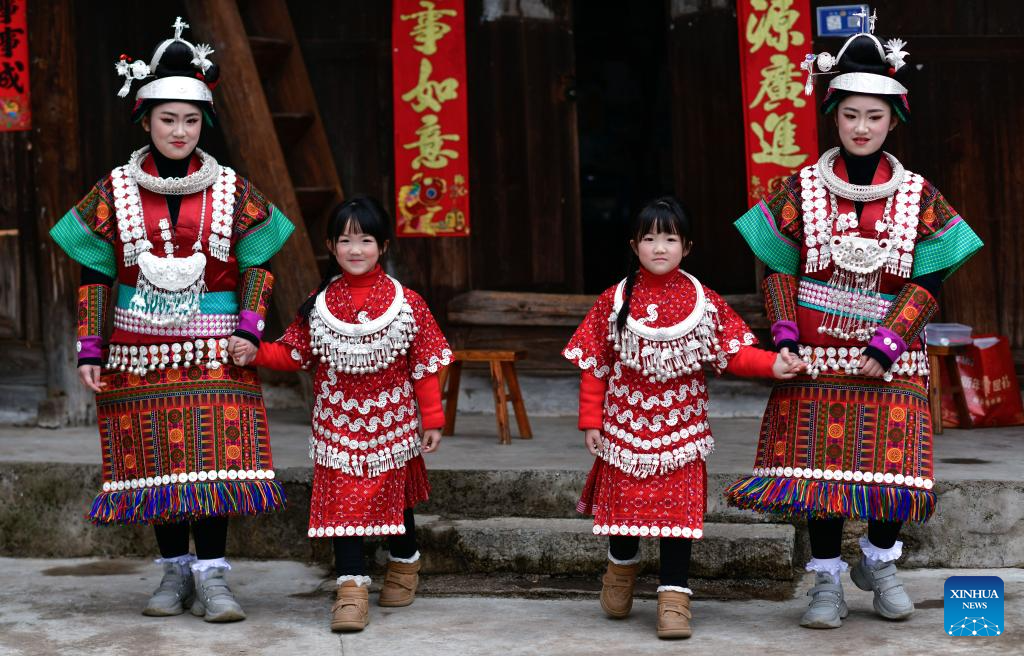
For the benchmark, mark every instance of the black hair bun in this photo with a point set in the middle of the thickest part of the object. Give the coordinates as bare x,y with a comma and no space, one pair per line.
177,62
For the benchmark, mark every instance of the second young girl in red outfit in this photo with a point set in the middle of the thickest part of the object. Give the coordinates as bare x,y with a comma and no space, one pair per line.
374,350
643,406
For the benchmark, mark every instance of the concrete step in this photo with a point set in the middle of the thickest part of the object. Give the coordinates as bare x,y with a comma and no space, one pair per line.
528,545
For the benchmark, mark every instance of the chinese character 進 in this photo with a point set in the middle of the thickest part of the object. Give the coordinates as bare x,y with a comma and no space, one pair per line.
10,76
782,148
773,26
778,84
9,40
429,27
432,152
429,94
7,9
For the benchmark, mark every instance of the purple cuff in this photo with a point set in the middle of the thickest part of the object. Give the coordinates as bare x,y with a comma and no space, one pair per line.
90,346
785,331
251,322
888,342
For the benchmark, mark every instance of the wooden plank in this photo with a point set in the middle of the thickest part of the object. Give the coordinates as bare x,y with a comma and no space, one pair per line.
485,355
269,52
55,133
479,307
291,127
247,123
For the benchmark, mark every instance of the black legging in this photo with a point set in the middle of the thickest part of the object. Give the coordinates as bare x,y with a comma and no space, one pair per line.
827,535
675,556
348,551
210,534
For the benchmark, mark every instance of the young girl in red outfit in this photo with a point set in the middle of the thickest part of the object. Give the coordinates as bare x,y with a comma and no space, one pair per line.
374,350
643,407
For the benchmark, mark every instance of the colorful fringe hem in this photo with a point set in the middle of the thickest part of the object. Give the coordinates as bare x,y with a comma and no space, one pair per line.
816,499
176,502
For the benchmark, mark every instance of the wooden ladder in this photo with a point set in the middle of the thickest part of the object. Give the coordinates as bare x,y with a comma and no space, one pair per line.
273,128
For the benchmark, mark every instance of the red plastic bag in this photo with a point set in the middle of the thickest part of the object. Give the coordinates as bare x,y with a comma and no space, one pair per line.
990,385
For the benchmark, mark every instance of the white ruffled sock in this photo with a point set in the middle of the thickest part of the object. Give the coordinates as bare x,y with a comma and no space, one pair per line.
832,566
675,588
415,557
875,555
358,578
632,561
183,563
202,568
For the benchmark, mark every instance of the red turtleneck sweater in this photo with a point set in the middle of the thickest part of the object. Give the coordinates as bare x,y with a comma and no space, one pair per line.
274,355
749,361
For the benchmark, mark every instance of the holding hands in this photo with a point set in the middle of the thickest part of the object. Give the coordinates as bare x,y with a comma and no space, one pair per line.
242,351
787,365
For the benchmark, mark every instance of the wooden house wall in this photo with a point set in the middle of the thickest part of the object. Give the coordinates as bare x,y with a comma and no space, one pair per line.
966,100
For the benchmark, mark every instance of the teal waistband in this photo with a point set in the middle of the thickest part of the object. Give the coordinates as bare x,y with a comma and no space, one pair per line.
212,303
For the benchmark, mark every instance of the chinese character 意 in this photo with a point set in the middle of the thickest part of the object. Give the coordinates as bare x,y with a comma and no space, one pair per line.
429,27
774,26
778,141
779,81
10,76
7,9
429,94
432,153
9,40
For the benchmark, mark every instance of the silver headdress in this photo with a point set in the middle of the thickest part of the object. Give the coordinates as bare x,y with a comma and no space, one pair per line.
860,82
176,86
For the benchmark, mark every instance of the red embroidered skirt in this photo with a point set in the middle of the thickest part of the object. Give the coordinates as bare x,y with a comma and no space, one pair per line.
660,505
343,505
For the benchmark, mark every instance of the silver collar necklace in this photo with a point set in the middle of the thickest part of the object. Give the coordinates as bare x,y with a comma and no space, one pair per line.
190,184
858,193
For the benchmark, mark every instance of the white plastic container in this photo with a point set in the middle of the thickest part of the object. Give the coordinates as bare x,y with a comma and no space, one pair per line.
947,334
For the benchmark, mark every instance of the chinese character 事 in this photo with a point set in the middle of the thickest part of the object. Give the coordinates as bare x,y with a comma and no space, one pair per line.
10,76
432,153
429,94
429,27
774,26
9,40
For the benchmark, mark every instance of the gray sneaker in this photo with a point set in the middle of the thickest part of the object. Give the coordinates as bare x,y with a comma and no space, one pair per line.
891,599
214,600
175,593
828,607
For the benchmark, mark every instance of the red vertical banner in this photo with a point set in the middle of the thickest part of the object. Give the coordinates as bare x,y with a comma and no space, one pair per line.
15,112
780,122
428,60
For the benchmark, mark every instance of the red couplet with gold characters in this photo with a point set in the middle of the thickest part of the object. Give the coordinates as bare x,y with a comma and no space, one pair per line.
15,112
780,122
431,136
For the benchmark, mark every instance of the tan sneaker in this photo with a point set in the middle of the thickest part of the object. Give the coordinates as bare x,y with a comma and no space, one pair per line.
617,589
674,615
400,583
351,609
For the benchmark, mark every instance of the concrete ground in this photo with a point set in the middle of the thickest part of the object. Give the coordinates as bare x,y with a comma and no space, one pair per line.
85,607
992,454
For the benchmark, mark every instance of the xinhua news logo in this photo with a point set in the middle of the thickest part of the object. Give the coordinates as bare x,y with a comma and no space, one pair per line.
973,606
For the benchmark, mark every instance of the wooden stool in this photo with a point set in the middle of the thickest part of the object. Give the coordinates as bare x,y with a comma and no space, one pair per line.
504,383
944,357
